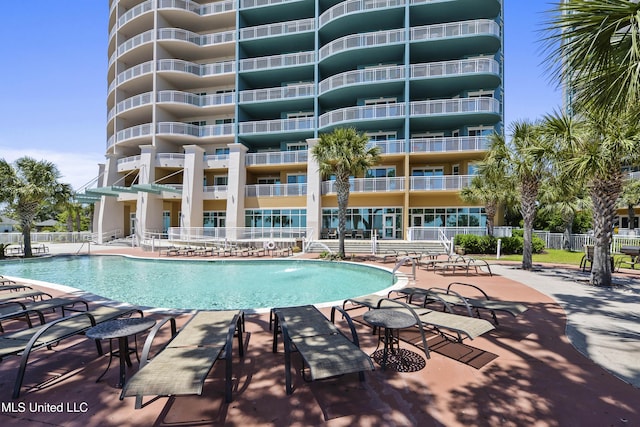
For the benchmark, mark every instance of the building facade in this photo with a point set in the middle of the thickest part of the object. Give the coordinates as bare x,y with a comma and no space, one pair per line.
213,108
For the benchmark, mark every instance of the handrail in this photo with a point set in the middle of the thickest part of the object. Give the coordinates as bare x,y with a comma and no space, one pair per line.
448,244
88,242
400,262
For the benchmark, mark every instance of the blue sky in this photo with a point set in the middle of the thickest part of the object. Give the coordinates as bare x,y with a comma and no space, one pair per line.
53,79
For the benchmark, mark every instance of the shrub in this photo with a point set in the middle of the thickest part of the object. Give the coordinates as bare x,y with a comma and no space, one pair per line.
473,244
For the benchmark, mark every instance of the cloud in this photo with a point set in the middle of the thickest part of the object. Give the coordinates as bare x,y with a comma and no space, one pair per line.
77,169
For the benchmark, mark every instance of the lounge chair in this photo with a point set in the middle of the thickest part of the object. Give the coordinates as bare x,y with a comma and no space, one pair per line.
464,263
183,364
171,250
323,348
446,324
24,294
25,341
13,287
471,304
5,281
19,309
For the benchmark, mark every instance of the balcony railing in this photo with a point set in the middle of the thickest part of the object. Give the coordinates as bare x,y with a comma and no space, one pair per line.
453,68
135,41
275,126
449,144
197,39
275,190
200,9
132,73
277,61
276,157
455,29
246,4
170,159
177,128
440,183
196,100
200,70
365,76
452,106
359,41
388,147
279,29
366,112
216,191
355,6
277,93
368,185
135,12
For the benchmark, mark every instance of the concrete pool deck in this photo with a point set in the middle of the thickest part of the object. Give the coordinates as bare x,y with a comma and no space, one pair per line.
551,366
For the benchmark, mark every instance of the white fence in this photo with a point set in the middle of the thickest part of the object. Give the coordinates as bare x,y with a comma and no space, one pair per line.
48,237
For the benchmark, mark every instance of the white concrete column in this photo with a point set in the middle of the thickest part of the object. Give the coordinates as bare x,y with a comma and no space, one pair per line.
110,213
236,188
149,207
314,205
192,186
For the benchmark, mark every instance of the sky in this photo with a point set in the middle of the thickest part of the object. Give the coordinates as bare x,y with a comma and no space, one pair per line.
53,81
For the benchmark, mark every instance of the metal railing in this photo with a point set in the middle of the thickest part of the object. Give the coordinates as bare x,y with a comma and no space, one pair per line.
365,185
275,190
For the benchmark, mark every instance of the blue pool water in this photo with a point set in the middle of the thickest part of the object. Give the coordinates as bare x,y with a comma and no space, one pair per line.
206,284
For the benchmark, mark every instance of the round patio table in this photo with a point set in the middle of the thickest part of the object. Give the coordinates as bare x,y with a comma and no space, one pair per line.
392,321
121,329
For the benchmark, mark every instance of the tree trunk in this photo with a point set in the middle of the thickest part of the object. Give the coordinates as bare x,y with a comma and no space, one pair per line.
490,210
27,211
604,193
566,234
631,214
26,239
528,211
342,190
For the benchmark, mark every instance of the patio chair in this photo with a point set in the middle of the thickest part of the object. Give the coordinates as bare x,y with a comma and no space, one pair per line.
464,263
183,364
18,309
324,350
22,343
471,304
23,294
445,324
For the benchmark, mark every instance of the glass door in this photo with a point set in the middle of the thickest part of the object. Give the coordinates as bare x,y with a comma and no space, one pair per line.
389,226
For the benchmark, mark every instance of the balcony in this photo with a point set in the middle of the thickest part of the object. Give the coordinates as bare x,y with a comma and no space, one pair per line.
215,192
360,41
356,6
455,29
363,113
133,133
277,93
449,144
275,190
362,77
277,29
388,147
368,185
200,40
276,158
277,126
440,183
197,8
277,61
188,130
139,70
170,160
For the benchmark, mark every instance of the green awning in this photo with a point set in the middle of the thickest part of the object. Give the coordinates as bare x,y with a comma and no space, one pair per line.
121,189
101,191
156,188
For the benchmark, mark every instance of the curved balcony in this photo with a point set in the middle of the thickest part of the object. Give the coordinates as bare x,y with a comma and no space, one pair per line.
134,12
275,190
132,73
197,8
277,29
144,99
440,79
455,29
132,43
133,133
440,183
388,147
178,129
356,6
277,61
455,106
361,41
362,77
367,185
179,72
130,163
170,160
449,144
277,126
200,40
276,158
189,99
363,113
277,93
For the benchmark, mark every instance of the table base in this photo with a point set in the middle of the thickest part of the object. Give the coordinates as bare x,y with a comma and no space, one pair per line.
400,360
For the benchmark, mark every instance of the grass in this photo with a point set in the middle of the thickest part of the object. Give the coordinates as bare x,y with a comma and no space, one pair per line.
550,256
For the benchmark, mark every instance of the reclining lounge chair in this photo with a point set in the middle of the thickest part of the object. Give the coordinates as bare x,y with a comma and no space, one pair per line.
323,348
25,341
455,298
19,309
184,363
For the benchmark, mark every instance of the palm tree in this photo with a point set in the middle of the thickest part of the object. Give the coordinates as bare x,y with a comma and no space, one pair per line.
593,48
629,199
529,168
343,153
592,150
28,187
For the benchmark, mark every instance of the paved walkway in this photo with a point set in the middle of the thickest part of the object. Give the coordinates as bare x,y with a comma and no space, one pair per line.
602,323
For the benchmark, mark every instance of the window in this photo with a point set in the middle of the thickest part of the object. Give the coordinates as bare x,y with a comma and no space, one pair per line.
269,218
214,218
220,180
297,146
381,172
221,151
269,180
296,178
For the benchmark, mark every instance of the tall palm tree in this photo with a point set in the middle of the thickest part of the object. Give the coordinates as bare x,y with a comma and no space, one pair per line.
343,153
593,148
593,48
27,187
529,167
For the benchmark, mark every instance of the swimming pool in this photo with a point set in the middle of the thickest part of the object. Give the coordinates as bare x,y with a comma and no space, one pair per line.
183,284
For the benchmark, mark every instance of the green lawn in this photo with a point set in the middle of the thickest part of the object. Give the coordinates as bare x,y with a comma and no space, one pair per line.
551,256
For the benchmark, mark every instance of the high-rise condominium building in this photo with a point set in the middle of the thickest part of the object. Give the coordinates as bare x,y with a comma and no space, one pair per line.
214,106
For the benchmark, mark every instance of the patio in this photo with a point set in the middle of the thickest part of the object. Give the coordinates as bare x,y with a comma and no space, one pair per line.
525,372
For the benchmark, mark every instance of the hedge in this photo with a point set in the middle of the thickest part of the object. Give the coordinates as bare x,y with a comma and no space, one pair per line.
488,244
